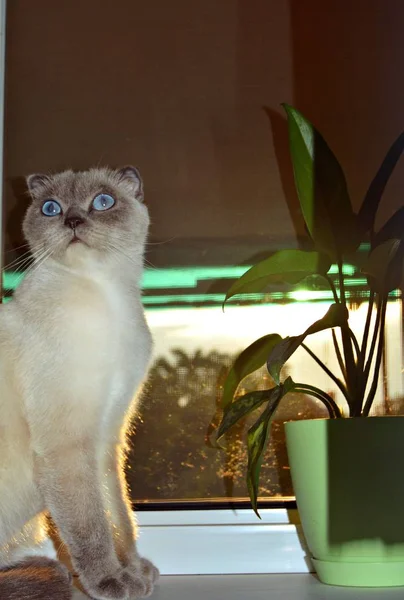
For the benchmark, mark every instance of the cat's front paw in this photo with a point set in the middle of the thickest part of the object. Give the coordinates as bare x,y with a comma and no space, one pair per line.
109,588
150,572
142,571
135,582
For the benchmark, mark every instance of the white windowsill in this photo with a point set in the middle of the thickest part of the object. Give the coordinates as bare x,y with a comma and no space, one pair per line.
216,542
260,587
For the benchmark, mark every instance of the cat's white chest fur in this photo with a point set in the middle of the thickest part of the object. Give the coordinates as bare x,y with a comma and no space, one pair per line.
92,346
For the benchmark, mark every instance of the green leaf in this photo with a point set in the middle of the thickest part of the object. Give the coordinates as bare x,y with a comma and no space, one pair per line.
251,359
384,266
210,442
243,406
336,316
288,266
257,440
368,211
322,189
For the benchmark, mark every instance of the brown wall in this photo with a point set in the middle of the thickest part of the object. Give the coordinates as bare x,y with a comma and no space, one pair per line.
348,69
177,89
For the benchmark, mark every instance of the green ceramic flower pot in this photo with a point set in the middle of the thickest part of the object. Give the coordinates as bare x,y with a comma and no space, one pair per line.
348,477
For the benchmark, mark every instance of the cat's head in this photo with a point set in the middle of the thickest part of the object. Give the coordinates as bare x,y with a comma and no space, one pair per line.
99,210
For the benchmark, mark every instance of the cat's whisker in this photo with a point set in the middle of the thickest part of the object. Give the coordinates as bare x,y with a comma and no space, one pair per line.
119,251
17,263
26,255
151,265
18,259
162,242
26,245
39,261
34,265
16,266
118,248
34,268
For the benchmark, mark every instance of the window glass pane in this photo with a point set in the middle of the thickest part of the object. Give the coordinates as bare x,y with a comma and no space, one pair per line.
178,89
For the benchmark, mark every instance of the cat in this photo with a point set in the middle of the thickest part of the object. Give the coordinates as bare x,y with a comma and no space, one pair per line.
74,351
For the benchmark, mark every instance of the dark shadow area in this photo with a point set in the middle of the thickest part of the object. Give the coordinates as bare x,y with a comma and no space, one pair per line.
347,57
365,481
15,217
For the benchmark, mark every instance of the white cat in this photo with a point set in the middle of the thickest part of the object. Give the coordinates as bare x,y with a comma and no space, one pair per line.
74,350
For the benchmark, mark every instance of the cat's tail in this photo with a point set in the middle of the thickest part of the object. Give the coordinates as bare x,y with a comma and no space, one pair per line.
35,578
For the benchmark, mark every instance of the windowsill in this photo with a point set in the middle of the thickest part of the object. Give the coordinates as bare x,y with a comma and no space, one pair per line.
193,542
259,587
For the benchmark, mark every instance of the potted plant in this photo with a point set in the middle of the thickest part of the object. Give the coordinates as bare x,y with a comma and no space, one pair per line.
347,471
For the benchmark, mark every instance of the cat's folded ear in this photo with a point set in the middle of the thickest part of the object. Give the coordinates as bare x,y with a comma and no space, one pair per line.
130,178
37,182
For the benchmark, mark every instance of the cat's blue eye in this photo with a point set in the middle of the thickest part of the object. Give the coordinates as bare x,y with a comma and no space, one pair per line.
103,202
51,208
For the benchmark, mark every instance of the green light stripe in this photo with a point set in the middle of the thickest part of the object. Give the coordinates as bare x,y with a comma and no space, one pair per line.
347,269
218,298
301,296
188,276
307,295
176,277
160,278
354,282
11,280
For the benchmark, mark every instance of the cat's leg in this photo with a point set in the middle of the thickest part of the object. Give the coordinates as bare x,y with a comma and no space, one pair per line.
123,518
69,480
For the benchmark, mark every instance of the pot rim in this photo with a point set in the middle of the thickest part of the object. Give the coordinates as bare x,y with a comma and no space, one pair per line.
301,422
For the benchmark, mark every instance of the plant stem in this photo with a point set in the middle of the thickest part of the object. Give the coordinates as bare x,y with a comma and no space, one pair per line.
363,371
355,343
347,347
372,392
332,407
333,288
338,353
373,344
341,282
362,356
335,379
